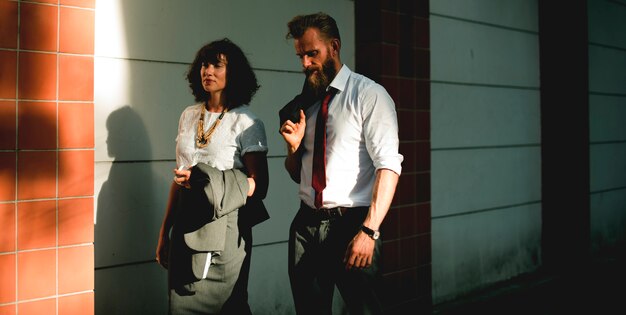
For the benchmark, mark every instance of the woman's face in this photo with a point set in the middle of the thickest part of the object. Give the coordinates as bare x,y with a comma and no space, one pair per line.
214,75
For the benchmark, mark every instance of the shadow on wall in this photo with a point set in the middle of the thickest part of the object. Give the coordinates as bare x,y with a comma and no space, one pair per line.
122,239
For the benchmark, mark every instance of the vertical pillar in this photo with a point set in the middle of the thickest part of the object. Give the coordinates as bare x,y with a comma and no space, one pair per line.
564,133
392,40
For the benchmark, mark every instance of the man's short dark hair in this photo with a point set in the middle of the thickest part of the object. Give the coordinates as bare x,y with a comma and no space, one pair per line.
322,21
241,83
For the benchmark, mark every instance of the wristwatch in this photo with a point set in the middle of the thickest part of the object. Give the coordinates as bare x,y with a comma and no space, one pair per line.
371,233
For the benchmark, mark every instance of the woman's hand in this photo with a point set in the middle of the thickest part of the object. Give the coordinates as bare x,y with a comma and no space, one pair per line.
256,165
252,185
181,177
162,250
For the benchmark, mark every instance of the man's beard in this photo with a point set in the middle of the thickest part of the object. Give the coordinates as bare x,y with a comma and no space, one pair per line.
317,84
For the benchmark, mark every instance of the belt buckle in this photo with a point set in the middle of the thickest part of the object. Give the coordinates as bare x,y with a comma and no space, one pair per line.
335,212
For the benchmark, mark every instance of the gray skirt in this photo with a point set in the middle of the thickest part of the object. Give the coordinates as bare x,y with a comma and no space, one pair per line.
224,290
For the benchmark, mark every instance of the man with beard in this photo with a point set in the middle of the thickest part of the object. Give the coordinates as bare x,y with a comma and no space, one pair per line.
334,237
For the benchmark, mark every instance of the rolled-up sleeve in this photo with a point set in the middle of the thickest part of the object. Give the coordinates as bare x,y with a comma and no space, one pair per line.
380,129
253,138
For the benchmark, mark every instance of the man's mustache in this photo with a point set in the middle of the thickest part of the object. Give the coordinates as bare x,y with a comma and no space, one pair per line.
309,71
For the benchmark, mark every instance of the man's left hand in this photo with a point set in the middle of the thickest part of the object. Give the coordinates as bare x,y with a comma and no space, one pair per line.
360,252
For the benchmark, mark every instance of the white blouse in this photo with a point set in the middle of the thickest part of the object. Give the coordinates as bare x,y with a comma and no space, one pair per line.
239,132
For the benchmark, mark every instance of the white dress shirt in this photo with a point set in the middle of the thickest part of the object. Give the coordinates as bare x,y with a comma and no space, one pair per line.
361,137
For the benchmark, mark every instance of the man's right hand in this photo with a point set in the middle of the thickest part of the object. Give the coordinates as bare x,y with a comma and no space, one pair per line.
293,133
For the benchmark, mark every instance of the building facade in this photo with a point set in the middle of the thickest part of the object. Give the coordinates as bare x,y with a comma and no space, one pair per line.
91,92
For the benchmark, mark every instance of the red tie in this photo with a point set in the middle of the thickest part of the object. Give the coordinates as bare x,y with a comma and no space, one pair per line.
319,150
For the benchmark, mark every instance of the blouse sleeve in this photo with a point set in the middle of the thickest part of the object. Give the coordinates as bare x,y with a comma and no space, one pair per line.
252,138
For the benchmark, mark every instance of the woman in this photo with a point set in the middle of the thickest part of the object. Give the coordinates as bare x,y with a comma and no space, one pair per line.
219,134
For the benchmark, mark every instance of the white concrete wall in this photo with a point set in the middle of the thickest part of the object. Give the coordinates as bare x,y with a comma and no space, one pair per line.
485,138
607,110
143,48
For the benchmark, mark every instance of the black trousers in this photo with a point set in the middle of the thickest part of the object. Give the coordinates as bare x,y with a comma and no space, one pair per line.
316,251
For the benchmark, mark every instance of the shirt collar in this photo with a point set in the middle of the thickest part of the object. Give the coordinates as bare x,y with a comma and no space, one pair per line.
341,79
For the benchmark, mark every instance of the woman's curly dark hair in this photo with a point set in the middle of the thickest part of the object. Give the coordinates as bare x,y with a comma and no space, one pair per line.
241,83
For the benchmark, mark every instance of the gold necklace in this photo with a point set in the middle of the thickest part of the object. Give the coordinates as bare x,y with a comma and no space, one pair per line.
203,138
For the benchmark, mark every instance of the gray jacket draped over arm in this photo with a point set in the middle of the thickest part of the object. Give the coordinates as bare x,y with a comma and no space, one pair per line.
215,194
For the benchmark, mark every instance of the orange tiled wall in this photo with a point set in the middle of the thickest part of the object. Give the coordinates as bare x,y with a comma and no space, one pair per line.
46,157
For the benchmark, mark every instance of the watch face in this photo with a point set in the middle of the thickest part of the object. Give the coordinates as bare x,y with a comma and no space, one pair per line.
376,235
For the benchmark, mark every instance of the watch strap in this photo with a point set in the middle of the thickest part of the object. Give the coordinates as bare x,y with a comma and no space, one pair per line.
368,231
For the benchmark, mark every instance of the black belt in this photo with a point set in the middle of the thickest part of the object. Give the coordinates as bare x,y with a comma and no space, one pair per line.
329,213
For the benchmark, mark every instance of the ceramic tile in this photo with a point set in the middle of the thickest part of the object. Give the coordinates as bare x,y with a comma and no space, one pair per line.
76,34
7,176
408,249
47,306
423,187
369,59
7,224
7,279
80,304
76,125
405,191
423,94
390,62
423,218
422,33
391,256
76,269
37,125
79,3
389,227
407,125
422,158
36,175
408,92
37,76
423,126
8,309
36,276
8,68
422,63
76,78
406,221
7,125
36,224
423,250
390,27
391,85
408,152
390,5
399,286
38,27
8,24
76,173
76,224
